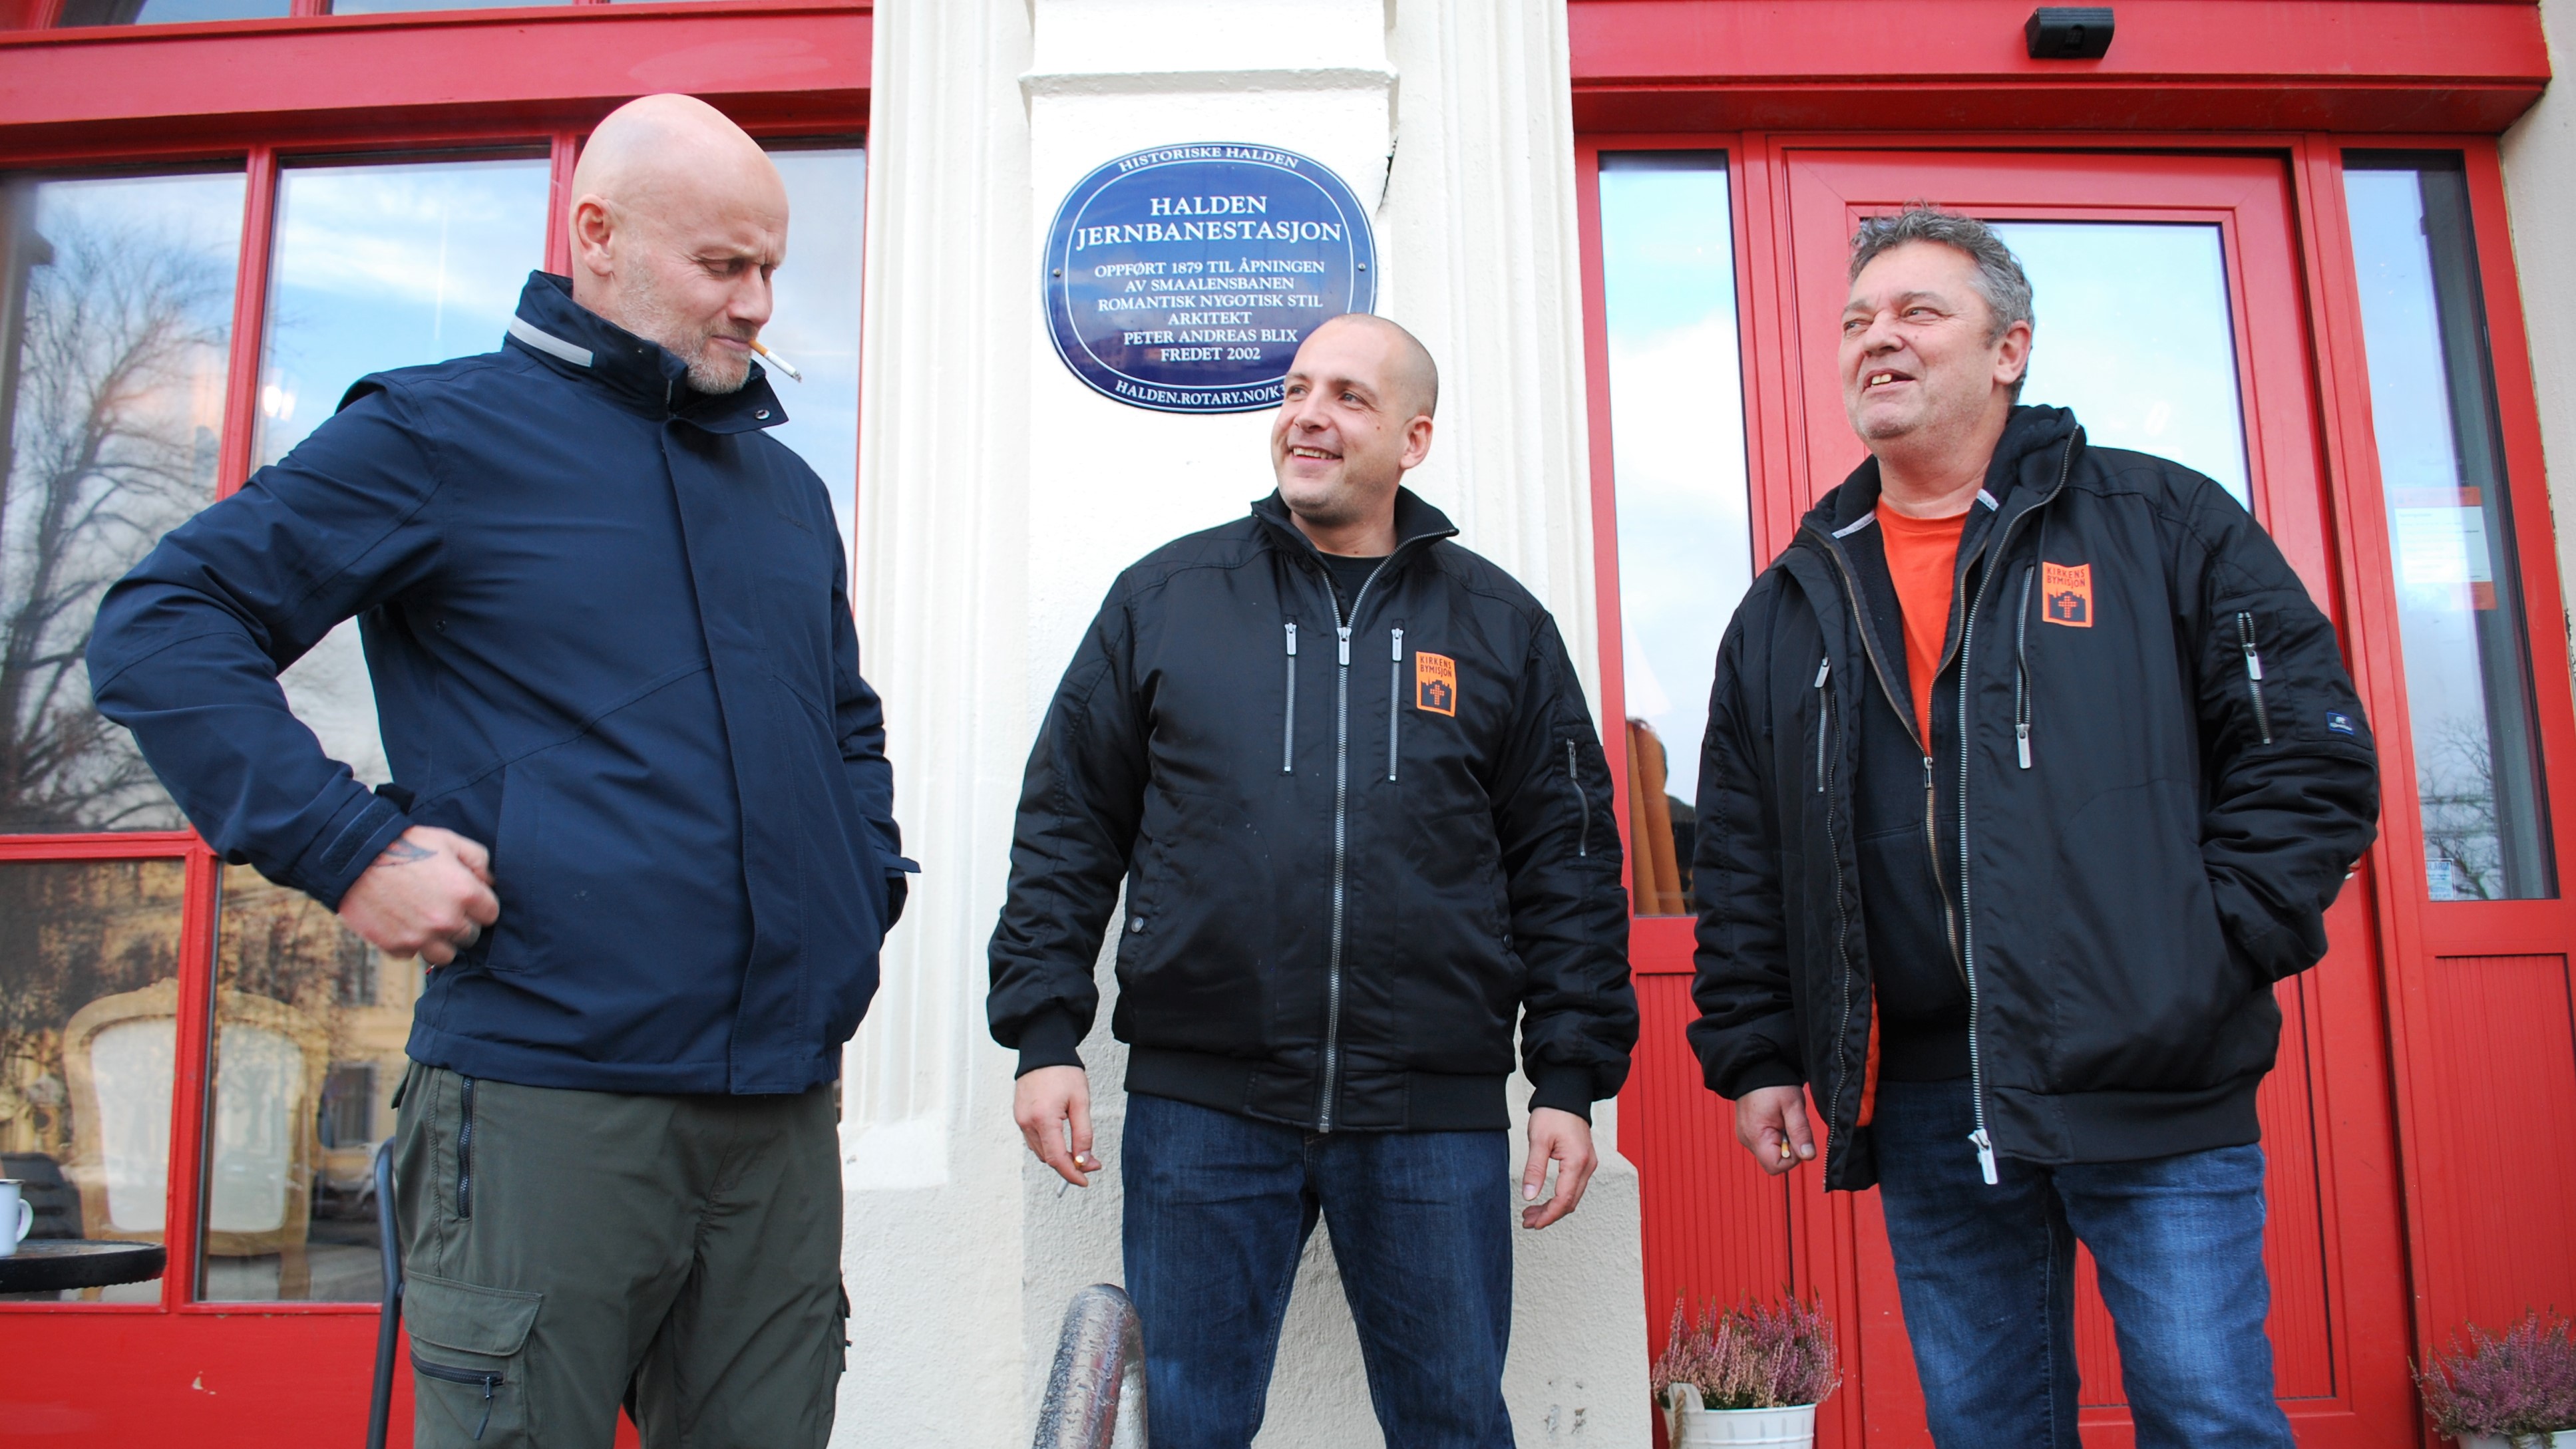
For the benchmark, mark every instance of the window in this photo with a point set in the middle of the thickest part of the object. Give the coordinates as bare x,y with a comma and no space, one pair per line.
2450,530
1678,469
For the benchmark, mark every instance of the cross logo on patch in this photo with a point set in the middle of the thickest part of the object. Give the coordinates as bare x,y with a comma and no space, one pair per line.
2066,594
1435,684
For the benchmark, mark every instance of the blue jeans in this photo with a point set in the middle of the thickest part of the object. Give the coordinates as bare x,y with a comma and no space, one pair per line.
1987,1275
1218,1210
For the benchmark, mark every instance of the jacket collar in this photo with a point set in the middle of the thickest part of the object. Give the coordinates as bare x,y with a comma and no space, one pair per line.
570,339
2030,434
1417,524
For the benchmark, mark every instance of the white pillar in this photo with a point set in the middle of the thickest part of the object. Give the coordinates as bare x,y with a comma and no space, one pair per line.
2540,191
998,497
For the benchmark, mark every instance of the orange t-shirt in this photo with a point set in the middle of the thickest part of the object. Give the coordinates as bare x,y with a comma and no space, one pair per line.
1922,554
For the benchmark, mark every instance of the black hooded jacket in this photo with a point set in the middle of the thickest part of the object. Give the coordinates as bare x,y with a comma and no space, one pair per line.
1357,853
2148,778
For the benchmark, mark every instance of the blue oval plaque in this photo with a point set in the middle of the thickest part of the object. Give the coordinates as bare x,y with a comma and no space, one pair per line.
1183,278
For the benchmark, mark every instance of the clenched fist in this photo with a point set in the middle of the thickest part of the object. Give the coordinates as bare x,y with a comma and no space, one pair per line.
429,894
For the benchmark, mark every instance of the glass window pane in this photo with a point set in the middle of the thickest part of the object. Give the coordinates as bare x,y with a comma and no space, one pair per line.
166,12
378,266
816,321
89,994
2450,532
1677,462
379,7
116,304
310,1023
2159,379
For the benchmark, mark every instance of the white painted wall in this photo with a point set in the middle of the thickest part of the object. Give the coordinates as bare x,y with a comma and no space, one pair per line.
2540,193
998,497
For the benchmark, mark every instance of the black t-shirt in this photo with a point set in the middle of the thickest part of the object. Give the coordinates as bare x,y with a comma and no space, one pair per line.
1349,575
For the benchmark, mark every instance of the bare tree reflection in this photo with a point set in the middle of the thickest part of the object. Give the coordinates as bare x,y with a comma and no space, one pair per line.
111,346
2455,779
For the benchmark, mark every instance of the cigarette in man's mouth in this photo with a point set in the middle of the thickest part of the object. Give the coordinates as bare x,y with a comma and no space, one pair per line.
782,363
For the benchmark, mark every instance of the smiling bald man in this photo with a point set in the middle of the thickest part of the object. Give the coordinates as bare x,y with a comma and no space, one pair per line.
641,823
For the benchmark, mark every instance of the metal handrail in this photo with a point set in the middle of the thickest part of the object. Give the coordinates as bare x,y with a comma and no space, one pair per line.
388,1325
1095,1396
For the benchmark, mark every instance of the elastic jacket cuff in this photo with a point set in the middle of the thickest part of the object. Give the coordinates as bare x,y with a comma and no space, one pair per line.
347,847
1770,1073
1567,1089
1049,1040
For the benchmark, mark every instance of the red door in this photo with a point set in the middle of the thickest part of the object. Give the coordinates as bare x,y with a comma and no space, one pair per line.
2176,316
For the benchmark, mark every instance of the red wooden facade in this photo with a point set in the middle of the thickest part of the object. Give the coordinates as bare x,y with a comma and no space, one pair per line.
2394,1221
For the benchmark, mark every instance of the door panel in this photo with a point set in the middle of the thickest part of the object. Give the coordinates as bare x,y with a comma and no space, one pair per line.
2169,305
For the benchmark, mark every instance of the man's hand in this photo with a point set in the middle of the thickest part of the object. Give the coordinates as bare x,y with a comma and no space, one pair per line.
1051,1105
1565,1139
429,894
1771,1122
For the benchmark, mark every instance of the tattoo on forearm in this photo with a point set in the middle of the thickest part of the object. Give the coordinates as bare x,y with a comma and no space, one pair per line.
403,852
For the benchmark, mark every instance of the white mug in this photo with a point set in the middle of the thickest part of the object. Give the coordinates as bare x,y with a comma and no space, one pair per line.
14,1204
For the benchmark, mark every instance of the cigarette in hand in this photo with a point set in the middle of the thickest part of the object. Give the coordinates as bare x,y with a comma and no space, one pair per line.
781,363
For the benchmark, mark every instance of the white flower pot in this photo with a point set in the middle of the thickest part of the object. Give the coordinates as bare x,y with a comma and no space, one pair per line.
2562,1439
1692,1427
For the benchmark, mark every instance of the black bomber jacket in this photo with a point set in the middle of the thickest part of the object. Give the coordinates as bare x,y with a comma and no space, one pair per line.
2148,777
1358,853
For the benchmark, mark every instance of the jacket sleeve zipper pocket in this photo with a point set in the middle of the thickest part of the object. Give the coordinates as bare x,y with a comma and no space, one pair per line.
489,1380
1824,717
1288,721
1394,692
465,1148
1574,777
2254,674
2021,669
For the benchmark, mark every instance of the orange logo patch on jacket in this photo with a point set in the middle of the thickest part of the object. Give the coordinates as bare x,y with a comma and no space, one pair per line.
2066,593
1435,683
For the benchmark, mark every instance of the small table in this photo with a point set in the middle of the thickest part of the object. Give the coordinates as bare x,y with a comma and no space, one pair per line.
47,1265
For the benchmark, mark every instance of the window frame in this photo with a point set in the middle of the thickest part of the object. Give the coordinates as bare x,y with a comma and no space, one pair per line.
330,88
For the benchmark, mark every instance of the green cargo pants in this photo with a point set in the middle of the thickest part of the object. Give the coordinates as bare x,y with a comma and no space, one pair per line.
567,1251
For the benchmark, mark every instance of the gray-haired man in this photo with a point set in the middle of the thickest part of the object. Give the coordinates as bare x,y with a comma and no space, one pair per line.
2030,767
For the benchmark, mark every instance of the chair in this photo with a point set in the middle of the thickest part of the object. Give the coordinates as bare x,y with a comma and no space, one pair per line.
118,1052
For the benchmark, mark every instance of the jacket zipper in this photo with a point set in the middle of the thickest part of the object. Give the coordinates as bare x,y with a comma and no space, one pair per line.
1394,692
1574,778
2021,668
489,1380
1288,721
1824,717
1842,914
465,1151
1967,903
2254,674
1341,846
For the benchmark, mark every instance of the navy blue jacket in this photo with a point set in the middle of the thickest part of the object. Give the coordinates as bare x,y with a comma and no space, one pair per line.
610,635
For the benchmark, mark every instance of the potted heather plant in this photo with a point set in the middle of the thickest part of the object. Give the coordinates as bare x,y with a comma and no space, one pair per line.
2513,1392
1751,1374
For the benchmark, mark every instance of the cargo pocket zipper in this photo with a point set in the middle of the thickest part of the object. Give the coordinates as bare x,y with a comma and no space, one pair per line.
489,1380
1394,693
465,1151
2254,674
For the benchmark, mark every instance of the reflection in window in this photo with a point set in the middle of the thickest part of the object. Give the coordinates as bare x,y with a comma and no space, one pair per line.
376,267
166,12
2159,379
310,1023
816,321
116,302
1677,462
379,7
2450,530
89,998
